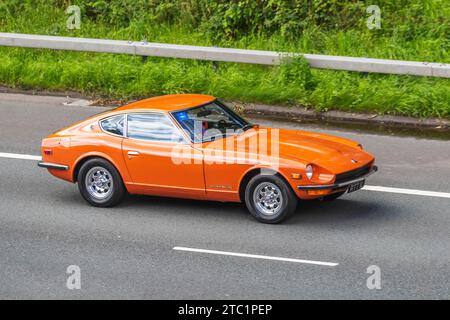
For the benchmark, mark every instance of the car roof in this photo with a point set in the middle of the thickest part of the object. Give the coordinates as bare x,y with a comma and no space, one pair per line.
171,102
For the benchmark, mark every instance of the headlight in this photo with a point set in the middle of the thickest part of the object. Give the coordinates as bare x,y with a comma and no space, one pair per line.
309,171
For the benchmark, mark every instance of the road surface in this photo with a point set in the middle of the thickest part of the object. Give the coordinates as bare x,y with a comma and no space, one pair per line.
128,251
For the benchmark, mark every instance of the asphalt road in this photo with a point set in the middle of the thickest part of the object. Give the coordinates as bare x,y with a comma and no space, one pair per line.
127,251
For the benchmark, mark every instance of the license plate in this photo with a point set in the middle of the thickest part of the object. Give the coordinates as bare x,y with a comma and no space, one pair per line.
355,186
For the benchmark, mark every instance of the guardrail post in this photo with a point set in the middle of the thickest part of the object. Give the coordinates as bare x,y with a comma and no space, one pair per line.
215,64
144,58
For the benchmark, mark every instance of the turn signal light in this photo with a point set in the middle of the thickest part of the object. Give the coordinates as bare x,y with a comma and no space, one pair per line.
48,152
317,192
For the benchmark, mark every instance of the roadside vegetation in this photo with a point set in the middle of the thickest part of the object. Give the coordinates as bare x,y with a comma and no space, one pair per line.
410,30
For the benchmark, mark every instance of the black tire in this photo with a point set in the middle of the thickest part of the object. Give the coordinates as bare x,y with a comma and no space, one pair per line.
116,191
331,197
288,203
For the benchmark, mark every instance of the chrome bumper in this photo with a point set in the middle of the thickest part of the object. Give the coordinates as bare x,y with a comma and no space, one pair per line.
55,166
337,185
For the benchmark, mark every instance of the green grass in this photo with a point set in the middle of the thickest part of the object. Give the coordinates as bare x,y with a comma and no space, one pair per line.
125,77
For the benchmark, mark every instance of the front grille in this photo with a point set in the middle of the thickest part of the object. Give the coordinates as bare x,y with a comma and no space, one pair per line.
353,174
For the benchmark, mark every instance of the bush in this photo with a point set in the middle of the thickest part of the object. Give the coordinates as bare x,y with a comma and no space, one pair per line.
234,19
296,71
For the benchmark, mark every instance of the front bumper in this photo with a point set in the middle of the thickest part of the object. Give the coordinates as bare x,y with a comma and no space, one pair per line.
337,185
55,166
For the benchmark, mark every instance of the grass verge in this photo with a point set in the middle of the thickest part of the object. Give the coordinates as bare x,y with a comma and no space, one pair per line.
417,31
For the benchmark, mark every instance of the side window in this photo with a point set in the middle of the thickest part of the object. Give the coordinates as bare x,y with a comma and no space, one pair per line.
153,127
113,125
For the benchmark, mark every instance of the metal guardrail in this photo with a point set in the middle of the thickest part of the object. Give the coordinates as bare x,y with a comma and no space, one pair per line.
429,69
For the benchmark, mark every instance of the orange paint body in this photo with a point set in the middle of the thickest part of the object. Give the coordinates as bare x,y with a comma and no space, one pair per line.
214,170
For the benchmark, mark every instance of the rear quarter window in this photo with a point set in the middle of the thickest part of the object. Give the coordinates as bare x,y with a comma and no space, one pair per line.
113,125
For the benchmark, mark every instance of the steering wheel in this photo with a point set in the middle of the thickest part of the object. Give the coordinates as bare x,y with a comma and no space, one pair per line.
222,124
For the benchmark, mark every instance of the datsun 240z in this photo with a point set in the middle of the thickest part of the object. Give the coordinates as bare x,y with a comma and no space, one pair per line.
194,146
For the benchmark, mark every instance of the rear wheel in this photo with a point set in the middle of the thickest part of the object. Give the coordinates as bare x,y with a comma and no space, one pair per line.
100,183
269,198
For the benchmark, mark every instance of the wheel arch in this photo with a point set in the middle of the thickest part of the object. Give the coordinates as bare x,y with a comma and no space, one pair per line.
83,159
254,172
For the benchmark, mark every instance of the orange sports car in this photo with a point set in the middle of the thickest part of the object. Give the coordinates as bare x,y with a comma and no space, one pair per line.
194,146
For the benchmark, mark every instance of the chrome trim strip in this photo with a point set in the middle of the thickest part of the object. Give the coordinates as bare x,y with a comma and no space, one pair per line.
55,166
337,185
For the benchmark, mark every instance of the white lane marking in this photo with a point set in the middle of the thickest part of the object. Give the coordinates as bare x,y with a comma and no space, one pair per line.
368,188
408,191
256,256
19,156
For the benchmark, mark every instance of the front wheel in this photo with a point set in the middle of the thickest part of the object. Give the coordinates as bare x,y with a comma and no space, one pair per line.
269,198
100,183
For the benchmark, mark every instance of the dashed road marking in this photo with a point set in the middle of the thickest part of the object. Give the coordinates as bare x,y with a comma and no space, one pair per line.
256,256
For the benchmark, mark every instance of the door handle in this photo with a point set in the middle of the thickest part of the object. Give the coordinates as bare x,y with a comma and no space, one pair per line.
133,154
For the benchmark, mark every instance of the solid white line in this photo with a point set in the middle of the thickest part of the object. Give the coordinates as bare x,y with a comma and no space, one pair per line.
256,256
20,156
368,188
408,191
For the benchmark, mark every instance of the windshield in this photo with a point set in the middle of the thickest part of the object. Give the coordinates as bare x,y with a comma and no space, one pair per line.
211,121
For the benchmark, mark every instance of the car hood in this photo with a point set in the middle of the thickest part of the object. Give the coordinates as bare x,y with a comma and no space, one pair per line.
332,153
